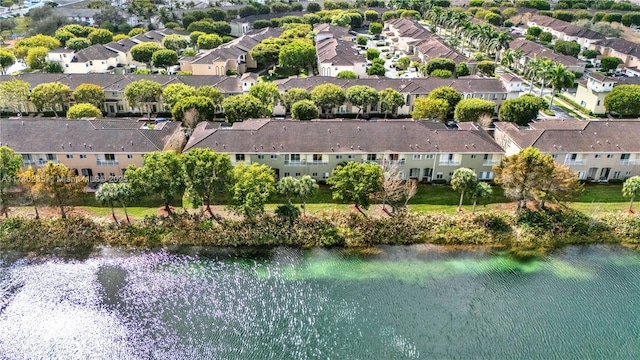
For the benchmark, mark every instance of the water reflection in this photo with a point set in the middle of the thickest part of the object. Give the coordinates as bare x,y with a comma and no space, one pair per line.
392,303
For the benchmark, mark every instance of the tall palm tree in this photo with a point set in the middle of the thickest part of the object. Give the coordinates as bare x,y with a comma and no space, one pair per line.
543,73
531,70
499,43
559,77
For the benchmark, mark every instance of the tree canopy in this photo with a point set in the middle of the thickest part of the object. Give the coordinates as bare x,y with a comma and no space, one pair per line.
304,110
207,176
173,93
362,96
50,96
428,108
83,110
58,185
252,186
356,183
521,110
143,93
471,110
390,101
161,174
624,100
328,96
89,94
631,189
242,107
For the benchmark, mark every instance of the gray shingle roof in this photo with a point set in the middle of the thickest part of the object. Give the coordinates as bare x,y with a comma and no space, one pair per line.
622,46
532,49
566,27
29,135
340,136
94,53
338,52
553,136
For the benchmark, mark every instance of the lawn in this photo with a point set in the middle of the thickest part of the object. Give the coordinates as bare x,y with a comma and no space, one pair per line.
429,198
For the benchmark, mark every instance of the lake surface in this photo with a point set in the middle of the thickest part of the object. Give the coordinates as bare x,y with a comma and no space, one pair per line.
395,303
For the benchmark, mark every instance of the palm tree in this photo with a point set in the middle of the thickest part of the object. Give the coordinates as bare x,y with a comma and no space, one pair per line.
499,43
530,70
559,77
543,73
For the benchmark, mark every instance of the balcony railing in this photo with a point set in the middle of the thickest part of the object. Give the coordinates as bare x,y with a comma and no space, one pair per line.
449,163
106,162
304,162
629,162
390,162
490,162
45,161
574,162
28,162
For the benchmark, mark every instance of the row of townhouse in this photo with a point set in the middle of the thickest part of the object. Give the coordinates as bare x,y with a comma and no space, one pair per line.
625,50
114,86
116,104
114,57
497,90
336,51
412,38
426,151
596,150
100,149
594,87
532,50
232,56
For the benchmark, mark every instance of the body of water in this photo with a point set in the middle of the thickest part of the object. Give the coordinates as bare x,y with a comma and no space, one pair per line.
414,302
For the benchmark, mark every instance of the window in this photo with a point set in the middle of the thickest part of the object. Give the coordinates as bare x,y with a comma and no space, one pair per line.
554,156
317,157
109,157
129,156
26,157
69,156
428,156
439,175
598,104
273,156
616,174
573,157
51,157
371,157
325,175
338,156
473,156
297,174
625,156
260,157
609,156
349,156
598,156
287,174
114,93
83,156
294,157
239,157
314,174
416,157
627,174
451,174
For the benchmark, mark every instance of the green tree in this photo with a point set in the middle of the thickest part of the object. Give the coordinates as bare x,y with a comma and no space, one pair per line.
252,186
161,175
164,58
390,101
27,183
630,19
521,110
173,93
438,64
143,94
214,94
375,28
6,60
480,191
22,46
560,183
534,31
313,7
624,100
207,175
570,48
89,94
100,36
14,95
609,63
328,96
341,19
462,69
372,54
493,19
445,74
361,40
521,175
267,51
63,36
486,67
10,165
203,105
631,189
545,37
209,41
194,36
83,110
428,108
590,54
175,42
356,183
58,185
294,95
51,96
267,93
304,110
242,107
362,96
560,77
376,70
37,57
136,31
463,180
143,52
471,110
449,94
297,55
403,63
301,188
112,193
346,74
78,44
